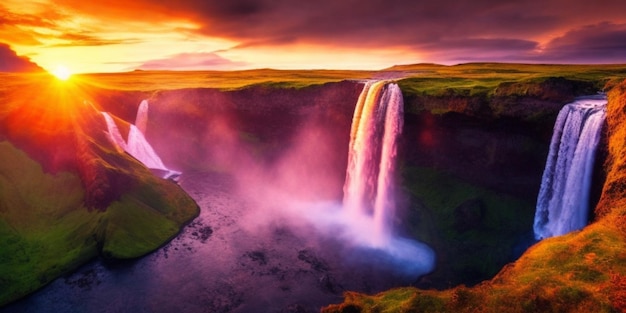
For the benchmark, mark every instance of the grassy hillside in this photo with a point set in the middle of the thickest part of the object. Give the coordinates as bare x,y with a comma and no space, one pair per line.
584,271
66,193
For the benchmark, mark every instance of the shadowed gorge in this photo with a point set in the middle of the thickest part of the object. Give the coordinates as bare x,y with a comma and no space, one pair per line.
272,167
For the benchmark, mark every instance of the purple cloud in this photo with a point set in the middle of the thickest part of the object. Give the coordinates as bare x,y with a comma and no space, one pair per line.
452,29
191,61
11,62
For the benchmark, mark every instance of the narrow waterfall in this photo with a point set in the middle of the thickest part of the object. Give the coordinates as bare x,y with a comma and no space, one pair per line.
369,187
137,145
563,201
113,133
141,121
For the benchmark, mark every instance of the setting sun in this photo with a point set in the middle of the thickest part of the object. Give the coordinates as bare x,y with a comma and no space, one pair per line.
62,72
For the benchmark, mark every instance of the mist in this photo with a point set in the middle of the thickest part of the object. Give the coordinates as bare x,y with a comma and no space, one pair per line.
268,174
291,171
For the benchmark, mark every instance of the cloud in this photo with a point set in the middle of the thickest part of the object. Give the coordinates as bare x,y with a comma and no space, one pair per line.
71,39
191,61
11,62
440,31
452,29
598,43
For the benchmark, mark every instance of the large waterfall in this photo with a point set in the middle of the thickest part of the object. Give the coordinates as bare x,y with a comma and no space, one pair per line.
369,187
563,201
136,144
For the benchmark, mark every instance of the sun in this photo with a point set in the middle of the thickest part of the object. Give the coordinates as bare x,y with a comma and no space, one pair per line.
62,72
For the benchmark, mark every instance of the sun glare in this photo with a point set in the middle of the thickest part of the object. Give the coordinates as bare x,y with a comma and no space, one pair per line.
62,72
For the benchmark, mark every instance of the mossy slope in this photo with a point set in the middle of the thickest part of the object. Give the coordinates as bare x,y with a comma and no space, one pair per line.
67,195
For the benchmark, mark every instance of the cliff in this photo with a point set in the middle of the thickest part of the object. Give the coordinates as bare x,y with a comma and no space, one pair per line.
470,175
579,272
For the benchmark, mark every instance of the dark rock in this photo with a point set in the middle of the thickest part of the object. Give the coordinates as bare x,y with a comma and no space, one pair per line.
258,257
316,263
469,215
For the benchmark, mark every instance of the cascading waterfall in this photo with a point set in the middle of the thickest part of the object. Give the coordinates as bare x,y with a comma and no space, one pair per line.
369,187
563,201
137,145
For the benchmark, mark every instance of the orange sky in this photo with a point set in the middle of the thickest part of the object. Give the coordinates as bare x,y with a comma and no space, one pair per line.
114,35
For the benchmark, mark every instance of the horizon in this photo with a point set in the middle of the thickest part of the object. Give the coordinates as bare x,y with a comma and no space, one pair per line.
390,68
373,35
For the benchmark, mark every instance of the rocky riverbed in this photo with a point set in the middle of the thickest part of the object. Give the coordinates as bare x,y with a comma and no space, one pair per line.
229,259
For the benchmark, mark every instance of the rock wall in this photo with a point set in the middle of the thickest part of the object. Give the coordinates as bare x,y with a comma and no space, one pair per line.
453,145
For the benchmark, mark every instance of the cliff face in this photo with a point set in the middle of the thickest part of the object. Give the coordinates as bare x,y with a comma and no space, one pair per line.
470,177
583,271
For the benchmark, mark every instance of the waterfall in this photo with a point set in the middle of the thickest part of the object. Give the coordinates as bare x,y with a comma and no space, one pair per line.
563,201
113,133
369,187
137,145
141,121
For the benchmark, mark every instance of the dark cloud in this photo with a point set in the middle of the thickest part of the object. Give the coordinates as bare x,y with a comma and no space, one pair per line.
191,61
11,62
444,27
599,43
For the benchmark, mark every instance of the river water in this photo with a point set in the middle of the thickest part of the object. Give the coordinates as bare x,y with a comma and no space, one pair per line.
223,261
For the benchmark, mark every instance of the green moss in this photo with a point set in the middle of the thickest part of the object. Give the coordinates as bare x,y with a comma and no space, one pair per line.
478,251
44,230
132,229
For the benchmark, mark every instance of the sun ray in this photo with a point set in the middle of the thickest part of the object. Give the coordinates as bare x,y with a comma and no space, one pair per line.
62,72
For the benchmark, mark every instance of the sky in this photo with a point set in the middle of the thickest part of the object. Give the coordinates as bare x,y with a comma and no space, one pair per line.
122,35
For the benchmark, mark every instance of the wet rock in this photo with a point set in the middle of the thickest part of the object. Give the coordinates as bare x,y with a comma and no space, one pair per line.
310,258
258,257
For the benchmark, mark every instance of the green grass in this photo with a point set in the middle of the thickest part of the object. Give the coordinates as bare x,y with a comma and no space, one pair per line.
483,79
224,80
43,229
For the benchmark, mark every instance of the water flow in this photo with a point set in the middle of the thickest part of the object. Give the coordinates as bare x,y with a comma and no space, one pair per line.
113,133
369,187
137,145
141,121
563,201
